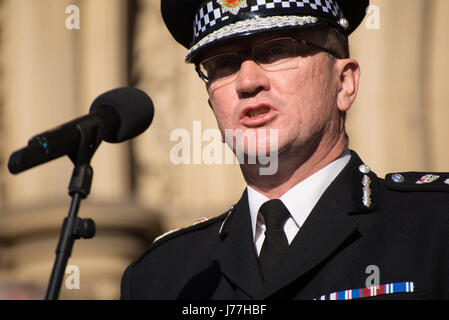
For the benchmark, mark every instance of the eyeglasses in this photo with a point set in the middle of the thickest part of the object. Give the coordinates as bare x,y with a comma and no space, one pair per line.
272,55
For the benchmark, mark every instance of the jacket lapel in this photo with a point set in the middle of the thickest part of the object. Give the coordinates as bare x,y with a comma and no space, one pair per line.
325,230
237,255
328,228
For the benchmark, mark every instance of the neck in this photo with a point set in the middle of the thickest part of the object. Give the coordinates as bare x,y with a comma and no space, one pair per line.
292,169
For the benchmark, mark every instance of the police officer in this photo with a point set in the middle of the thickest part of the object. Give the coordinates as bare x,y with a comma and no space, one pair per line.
322,225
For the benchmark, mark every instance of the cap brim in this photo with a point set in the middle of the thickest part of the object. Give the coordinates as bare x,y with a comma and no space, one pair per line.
250,27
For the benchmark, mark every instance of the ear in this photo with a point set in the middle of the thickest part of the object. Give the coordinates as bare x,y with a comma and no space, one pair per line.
349,71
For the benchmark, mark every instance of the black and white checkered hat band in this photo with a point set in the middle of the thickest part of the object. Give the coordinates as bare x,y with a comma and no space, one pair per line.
253,15
212,13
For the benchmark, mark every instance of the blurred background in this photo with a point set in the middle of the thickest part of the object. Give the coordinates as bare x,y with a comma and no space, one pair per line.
51,69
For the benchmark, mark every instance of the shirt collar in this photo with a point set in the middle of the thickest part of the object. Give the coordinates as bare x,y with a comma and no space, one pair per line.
300,199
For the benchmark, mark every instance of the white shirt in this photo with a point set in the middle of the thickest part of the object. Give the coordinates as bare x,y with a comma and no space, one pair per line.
299,200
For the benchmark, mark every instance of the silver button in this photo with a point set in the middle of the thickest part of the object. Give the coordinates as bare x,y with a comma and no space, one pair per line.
364,169
344,23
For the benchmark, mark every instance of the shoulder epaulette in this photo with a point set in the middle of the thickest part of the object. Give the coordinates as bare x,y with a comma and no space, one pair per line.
201,220
186,229
199,224
418,181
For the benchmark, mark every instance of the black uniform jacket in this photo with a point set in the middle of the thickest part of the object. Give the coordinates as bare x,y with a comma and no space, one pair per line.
392,233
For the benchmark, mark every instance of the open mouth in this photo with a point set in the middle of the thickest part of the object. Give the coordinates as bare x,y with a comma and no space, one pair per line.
254,113
257,115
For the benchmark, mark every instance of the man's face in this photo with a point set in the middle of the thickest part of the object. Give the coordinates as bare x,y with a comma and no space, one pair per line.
299,102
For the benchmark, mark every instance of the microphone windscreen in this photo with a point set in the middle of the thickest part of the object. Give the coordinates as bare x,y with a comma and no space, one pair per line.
133,107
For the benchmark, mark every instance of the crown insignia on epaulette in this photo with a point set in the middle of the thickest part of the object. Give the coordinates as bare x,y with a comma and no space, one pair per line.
428,178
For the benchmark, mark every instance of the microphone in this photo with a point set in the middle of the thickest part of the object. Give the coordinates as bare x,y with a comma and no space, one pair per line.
116,115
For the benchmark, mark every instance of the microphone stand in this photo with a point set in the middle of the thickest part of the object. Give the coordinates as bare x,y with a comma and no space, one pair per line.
74,227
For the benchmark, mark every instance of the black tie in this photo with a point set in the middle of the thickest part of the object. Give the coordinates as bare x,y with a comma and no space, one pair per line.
275,214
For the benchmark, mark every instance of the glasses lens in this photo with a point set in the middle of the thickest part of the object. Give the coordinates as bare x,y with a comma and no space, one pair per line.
304,48
274,52
221,66
271,55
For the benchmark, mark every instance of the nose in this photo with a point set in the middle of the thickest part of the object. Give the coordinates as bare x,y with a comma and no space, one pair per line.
251,78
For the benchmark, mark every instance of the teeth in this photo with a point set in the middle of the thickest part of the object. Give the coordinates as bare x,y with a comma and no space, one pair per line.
257,112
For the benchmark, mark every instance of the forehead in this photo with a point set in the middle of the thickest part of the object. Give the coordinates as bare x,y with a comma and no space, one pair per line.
315,35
